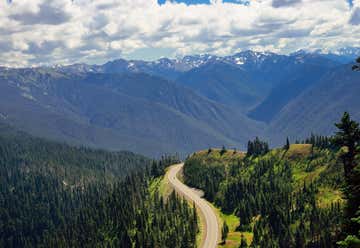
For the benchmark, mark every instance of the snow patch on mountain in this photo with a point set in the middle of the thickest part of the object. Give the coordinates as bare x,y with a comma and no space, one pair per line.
187,63
3,116
28,96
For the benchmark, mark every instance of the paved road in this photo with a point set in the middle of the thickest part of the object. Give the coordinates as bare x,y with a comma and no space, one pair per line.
212,226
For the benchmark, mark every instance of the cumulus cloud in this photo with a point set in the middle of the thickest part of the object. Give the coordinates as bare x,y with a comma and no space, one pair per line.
46,13
36,32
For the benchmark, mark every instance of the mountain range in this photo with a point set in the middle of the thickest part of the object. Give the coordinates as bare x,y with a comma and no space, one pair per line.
181,105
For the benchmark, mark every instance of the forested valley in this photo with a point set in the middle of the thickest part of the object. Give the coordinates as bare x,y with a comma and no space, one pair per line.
295,196
55,195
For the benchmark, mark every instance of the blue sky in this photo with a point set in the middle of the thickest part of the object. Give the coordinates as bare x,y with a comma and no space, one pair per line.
41,32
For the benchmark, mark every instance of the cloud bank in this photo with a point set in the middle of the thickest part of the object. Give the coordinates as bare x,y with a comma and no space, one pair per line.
38,32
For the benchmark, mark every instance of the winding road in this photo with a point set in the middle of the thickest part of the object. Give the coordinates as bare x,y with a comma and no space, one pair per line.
211,231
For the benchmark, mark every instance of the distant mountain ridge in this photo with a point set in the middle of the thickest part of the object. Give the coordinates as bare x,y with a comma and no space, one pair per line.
172,68
181,105
251,85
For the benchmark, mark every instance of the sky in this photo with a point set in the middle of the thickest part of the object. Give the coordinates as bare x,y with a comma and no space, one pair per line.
43,32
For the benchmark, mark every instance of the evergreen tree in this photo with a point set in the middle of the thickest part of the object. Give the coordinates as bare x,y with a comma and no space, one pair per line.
243,243
287,145
348,136
223,150
224,232
352,241
300,240
257,147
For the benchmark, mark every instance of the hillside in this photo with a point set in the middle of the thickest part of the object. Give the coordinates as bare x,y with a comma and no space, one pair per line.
220,118
307,70
301,183
261,83
318,107
134,112
55,195
74,165
222,83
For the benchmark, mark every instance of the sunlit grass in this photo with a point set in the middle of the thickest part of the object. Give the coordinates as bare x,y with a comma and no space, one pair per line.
234,237
298,151
327,195
214,154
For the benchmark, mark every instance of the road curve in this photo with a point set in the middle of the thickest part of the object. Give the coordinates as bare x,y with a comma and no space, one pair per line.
211,222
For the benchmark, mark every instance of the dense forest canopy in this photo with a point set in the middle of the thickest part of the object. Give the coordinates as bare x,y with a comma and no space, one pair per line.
55,195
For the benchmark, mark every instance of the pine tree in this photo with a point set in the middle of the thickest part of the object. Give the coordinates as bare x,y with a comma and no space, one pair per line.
195,228
349,136
243,243
223,151
257,147
287,145
300,240
224,232
352,240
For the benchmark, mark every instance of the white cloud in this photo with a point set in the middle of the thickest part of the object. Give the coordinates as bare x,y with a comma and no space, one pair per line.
37,32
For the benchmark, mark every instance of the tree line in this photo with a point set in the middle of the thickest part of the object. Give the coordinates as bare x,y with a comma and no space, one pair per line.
257,147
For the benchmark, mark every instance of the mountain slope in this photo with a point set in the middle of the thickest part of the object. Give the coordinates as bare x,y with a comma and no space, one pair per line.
223,83
133,112
249,78
317,108
302,71
47,157
157,90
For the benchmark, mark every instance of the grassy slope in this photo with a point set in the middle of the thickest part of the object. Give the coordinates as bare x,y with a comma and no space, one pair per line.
234,237
305,169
